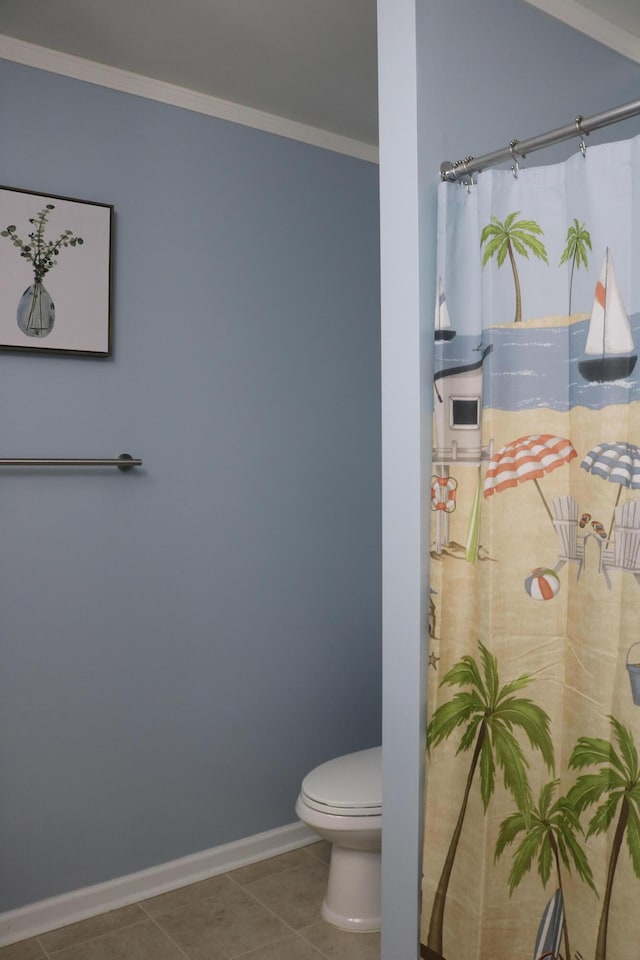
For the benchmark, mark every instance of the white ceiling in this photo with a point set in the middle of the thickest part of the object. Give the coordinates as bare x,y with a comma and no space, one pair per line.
623,13
309,61
312,61
616,23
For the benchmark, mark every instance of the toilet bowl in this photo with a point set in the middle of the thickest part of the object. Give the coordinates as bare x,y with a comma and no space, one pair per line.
341,801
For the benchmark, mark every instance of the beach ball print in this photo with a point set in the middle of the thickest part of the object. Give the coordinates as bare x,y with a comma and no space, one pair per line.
542,583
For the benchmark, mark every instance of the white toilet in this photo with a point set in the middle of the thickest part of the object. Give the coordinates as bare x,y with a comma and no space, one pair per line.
341,801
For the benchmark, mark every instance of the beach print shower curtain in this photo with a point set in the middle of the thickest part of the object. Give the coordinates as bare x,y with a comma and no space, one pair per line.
532,807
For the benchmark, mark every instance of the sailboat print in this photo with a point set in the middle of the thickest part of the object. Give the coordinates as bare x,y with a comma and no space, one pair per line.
443,328
609,351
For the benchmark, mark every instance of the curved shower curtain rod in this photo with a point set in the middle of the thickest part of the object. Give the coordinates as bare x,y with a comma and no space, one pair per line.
463,170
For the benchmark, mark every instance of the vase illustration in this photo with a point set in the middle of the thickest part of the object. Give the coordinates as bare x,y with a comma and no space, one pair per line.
36,312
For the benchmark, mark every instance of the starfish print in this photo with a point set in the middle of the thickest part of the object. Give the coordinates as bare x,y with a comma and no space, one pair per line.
433,661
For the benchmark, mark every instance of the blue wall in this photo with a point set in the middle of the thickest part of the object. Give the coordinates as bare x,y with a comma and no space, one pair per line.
180,644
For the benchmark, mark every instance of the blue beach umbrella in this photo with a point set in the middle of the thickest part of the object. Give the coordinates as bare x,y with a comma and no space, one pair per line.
617,462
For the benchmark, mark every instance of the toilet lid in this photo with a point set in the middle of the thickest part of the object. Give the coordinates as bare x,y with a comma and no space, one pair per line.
347,783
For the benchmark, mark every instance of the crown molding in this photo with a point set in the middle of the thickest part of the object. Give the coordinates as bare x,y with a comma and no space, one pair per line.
581,18
41,58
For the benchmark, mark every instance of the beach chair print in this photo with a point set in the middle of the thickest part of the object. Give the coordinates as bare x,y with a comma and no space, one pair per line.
623,552
566,514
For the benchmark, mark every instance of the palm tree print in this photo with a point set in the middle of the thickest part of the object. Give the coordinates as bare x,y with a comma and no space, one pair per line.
550,833
489,714
508,238
617,784
578,239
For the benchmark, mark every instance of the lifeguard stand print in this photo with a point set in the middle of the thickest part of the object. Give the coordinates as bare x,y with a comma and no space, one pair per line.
457,424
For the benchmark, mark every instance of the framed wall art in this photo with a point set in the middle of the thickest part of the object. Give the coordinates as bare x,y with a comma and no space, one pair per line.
55,274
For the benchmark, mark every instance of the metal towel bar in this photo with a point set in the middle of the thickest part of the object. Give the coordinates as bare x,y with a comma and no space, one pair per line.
123,462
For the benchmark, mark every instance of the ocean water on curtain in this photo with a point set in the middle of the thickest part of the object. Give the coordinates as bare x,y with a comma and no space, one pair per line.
532,807
528,367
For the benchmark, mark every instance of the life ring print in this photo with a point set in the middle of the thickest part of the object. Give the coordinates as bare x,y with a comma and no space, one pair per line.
443,493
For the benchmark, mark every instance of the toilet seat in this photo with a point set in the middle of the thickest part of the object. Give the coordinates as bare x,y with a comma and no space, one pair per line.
348,786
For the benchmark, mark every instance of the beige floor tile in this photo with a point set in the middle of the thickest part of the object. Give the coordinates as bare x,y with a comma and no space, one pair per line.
143,941
247,914
291,948
341,945
204,890
93,927
25,950
269,868
321,850
295,895
225,926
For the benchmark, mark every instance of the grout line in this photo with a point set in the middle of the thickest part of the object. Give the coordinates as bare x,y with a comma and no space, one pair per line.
347,933
80,943
229,876
188,903
265,907
279,871
321,953
151,917
42,947
291,930
239,886
253,951
169,938
48,955
271,876
315,856
295,931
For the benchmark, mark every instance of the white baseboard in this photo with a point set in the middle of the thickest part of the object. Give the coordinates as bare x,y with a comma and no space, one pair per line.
77,905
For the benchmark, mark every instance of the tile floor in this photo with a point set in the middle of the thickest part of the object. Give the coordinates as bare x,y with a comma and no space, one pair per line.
266,911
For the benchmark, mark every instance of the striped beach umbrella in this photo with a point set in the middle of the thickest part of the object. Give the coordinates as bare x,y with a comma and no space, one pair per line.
617,462
528,458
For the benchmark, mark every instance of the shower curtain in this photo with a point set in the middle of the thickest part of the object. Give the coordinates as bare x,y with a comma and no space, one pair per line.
532,806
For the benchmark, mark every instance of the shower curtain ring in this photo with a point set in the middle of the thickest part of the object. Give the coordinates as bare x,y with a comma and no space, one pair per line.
583,146
468,178
515,168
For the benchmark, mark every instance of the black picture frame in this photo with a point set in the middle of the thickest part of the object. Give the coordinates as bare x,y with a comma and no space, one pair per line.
55,274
